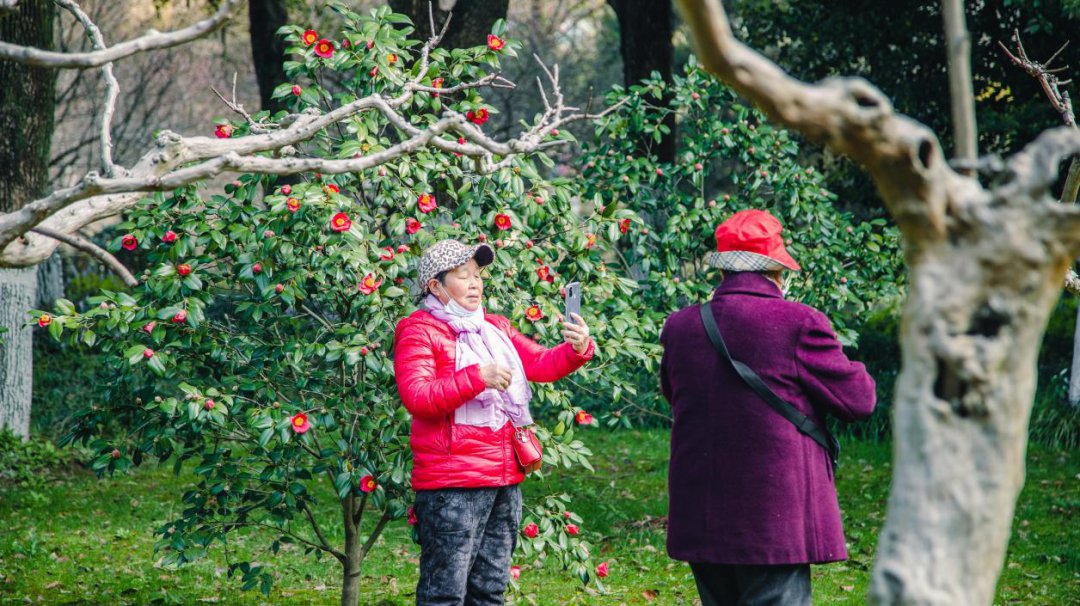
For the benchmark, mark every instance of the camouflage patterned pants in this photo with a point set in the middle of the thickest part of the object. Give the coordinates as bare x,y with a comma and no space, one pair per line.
467,536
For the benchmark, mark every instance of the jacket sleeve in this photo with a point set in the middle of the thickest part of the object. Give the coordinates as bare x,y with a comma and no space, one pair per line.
544,365
835,383
665,381
422,391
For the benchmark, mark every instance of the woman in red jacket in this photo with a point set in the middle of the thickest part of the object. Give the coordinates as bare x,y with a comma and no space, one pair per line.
464,376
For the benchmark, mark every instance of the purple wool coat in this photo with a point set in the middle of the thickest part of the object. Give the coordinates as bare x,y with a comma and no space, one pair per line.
745,486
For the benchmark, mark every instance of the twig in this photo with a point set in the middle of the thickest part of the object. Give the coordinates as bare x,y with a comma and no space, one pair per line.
93,250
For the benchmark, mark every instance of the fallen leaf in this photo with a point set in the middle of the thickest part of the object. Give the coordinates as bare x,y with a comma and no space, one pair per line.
847,587
53,585
650,594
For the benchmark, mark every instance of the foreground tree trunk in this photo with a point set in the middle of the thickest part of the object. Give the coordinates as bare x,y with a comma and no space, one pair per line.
26,127
645,30
985,266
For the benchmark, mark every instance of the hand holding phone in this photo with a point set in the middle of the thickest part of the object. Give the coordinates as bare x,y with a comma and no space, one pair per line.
573,301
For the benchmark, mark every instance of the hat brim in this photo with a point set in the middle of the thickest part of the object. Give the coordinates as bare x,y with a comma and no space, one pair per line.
741,260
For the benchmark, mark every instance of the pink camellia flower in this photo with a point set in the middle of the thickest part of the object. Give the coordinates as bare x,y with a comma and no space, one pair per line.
583,418
296,90
169,237
129,242
324,48
286,190
368,484
698,166
340,222
515,572
503,221
183,269
300,423
268,233
180,317
411,516
590,241
115,454
209,405
402,249
374,71
44,320
149,328
369,284
534,313
602,570
148,353
572,530
309,37
292,204
388,255
412,225
495,43
624,225
223,131
257,268
531,530
279,288
478,117
426,203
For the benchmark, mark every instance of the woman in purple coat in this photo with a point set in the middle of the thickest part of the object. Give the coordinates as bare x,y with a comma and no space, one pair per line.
752,500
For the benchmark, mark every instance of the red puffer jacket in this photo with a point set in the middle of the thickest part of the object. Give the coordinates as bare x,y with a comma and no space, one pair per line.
446,455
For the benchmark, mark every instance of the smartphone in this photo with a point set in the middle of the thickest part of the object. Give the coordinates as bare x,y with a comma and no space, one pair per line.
573,301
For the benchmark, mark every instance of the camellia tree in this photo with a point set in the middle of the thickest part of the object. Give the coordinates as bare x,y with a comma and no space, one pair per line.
730,159
258,344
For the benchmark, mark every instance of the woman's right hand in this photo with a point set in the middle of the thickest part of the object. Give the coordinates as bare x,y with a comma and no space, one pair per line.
495,376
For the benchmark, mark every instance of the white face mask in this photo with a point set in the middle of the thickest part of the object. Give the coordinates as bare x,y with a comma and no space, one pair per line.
455,309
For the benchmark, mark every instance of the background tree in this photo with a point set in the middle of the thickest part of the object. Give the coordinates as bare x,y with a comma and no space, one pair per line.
986,265
471,23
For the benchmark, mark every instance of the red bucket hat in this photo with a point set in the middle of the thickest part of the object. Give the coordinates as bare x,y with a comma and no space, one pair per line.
750,240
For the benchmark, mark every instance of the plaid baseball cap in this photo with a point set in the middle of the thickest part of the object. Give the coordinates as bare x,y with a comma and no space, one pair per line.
448,254
751,240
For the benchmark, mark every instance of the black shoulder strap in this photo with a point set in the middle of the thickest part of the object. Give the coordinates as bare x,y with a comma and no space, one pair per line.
803,423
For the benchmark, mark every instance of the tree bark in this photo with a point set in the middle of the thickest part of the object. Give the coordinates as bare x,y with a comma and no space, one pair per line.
962,97
267,48
985,267
26,128
470,25
350,585
645,30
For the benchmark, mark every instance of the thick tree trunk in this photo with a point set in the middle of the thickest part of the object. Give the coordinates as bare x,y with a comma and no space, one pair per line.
645,30
267,48
26,128
470,25
50,281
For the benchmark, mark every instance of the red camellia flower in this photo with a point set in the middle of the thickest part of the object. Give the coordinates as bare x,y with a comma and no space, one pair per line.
478,117
115,454
257,268
531,530
503,221
426,203
402,249
169,237
583,418
309,37
544,273
515,572
572,530
149,328
567,514
286,190
223,131
300,423
279,288
374,71
148,353
369,284
388,255
412,225
411,516
534,313
324,48
602,570
44,320
368,484
292,204
330,188
296,90
129,242
436,83
495,43
391,59
181,316
590,241
183,269
340,222
624,225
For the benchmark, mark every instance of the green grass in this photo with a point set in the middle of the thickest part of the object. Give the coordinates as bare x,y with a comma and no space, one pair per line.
82,540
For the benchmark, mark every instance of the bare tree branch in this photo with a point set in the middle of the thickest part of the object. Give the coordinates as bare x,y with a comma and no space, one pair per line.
151,41
95,251
958,43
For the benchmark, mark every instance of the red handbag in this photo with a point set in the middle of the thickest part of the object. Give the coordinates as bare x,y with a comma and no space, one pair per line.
527,450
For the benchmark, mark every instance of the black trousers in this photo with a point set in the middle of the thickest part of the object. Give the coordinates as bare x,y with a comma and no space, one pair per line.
747,585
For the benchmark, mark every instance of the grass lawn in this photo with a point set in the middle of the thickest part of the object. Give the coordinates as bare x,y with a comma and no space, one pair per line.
89,541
